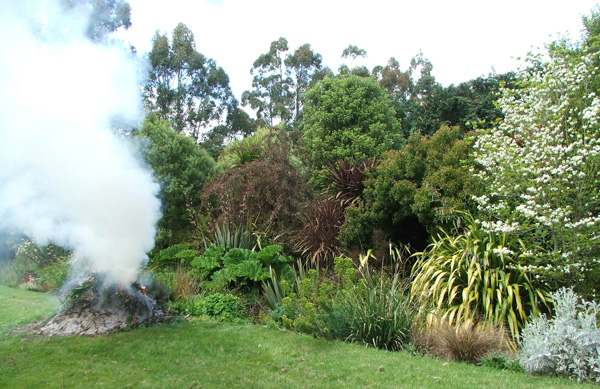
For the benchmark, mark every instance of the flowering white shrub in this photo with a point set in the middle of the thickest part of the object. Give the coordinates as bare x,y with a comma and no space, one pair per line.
568,344
541,167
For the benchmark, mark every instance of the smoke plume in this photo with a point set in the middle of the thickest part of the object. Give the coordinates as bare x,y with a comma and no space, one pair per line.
65,177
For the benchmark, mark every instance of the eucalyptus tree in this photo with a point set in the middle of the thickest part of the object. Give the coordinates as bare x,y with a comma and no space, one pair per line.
185,87
271,93
353,52
280,81
304,67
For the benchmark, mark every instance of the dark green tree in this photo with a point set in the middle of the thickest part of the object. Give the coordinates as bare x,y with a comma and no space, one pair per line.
185,87
413,191
473,103
349,118
417,109
353,52
237,124
181,167
396,82
423,105
414,93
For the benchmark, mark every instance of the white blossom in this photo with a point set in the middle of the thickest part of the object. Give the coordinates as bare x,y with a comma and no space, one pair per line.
541,164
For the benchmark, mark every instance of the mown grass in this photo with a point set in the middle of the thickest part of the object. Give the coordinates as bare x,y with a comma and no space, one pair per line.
205,354
21,306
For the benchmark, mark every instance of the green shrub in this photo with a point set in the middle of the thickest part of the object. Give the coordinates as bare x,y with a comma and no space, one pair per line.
475,275
225,307
53,276
237,267
222,306
345,272
568,344
165,278
501,362
303,301
158,289
173,256
413,191
373,310
181,167
346,117
212,259
20,270
30,263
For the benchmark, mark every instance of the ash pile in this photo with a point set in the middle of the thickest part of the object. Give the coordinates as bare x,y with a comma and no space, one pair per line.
93,308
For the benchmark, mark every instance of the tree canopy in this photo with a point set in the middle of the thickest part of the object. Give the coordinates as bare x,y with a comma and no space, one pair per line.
185,87
414,191
347,117
280,81
181,167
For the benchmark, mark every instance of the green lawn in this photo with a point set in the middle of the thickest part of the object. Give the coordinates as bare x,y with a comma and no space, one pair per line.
21,306
205,354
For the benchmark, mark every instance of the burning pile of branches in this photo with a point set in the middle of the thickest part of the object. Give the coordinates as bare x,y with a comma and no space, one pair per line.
95,307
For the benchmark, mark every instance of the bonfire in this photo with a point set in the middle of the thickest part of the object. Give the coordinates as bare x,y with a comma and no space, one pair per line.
95,307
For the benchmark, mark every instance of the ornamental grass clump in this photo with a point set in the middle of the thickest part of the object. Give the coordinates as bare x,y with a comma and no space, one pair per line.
465,341
381,312
568,344
185,284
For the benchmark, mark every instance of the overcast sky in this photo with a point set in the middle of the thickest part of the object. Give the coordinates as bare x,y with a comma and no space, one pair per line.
463,39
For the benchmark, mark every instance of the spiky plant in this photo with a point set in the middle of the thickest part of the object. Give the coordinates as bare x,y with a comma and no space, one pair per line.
277,286
232,237
382,313
243,151
475,276
349,178
318,240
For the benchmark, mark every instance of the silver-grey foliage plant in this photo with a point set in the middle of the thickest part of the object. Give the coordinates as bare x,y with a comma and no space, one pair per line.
568,344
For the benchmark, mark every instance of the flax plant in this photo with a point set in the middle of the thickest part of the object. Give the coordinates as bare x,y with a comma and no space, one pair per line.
382,313
475,276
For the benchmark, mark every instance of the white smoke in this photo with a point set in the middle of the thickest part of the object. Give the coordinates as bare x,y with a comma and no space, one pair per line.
64,177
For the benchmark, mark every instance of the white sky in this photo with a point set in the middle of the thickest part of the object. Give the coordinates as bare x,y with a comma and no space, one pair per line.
463,39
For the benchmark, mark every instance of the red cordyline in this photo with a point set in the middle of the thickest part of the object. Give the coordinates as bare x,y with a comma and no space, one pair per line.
349,178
